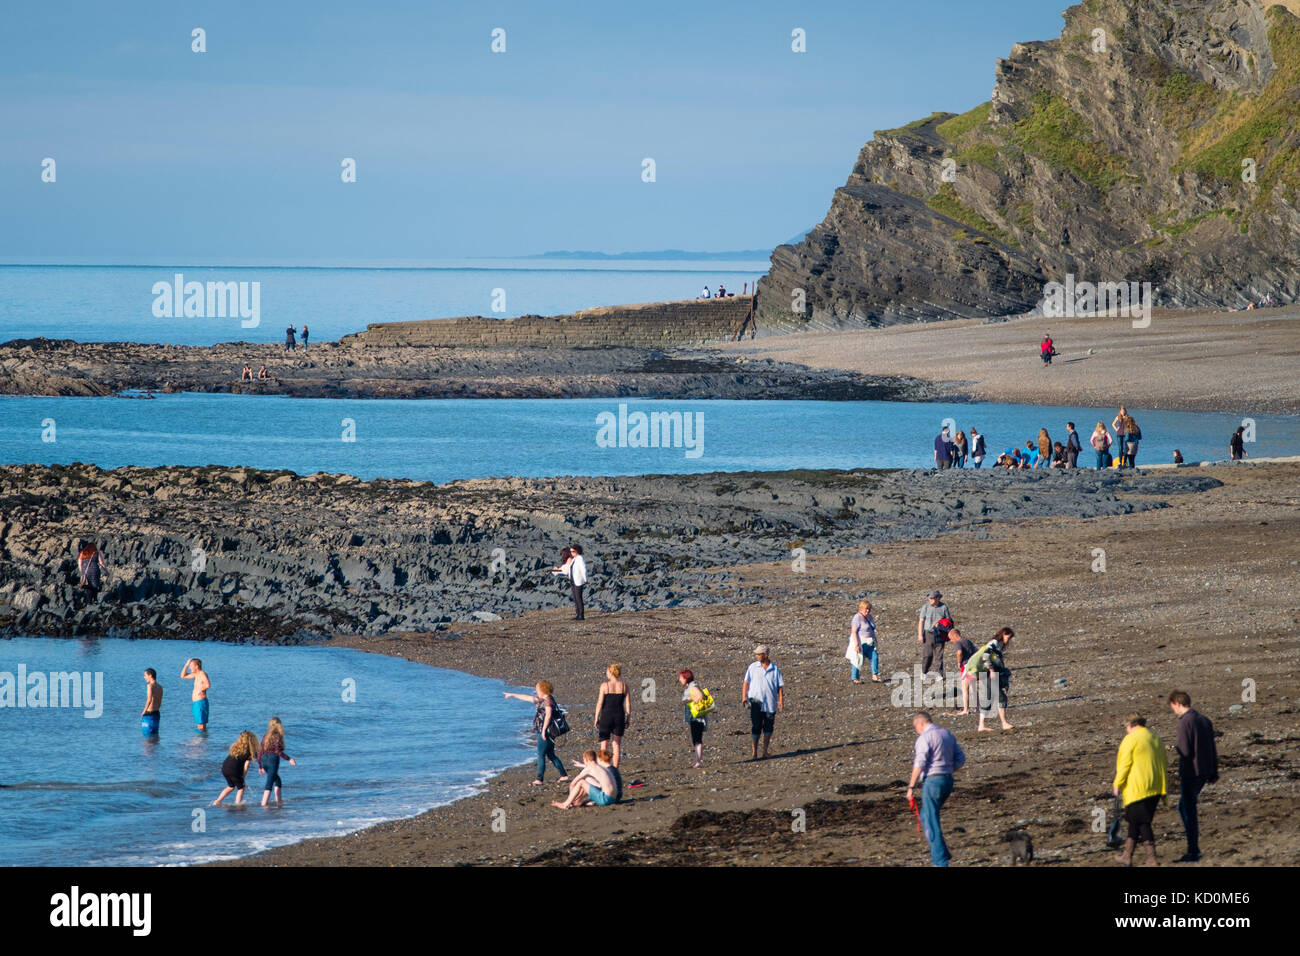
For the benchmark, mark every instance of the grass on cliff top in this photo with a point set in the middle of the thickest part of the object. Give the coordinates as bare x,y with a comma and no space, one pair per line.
945,202
912,126
955,127
1262,127
1059,135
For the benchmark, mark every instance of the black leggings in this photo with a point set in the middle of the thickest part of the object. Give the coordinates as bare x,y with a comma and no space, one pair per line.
1139,815
697,731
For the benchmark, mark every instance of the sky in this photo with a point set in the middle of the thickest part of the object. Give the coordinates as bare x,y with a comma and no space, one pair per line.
166,155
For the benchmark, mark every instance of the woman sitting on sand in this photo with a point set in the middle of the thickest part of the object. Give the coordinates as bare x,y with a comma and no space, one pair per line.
542,723
1100,442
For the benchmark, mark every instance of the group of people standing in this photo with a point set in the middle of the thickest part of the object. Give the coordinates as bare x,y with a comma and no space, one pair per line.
1120,451
1042,452
952,451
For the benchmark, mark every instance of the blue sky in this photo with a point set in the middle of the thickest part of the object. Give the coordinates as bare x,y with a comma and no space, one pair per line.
165,155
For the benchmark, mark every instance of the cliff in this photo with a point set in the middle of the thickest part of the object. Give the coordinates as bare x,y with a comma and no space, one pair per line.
1154,140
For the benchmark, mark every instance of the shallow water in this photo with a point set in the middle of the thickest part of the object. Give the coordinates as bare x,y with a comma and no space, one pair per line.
445,439
78,790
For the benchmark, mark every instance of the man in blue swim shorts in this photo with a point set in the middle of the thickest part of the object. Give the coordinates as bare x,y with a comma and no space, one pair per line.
152,713
200,695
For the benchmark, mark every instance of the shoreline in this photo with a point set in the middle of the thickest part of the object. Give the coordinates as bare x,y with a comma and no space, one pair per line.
699,817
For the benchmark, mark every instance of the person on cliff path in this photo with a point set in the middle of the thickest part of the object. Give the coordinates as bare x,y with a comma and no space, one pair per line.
929,633
199,698
289,340
543,725
575,569
90,566
764,691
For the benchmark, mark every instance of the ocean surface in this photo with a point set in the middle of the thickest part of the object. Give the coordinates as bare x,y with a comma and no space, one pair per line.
116,303
78,790
444,439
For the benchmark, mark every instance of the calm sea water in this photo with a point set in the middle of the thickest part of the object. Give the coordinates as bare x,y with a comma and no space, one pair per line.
445,439
78,790
115,303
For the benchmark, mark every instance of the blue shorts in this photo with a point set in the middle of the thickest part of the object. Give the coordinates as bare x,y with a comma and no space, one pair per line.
599,797
149,725
200,710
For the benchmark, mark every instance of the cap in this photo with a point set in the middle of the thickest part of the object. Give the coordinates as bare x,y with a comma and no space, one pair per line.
761,649
934,594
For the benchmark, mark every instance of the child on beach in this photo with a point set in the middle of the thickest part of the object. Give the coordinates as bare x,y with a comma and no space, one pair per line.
242,752
594,784
269,756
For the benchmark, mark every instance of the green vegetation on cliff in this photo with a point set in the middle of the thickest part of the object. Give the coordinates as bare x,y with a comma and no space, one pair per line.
1056,133
946,203
955,127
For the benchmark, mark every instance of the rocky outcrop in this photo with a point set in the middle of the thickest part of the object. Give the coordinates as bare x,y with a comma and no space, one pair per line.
1155,140
239,554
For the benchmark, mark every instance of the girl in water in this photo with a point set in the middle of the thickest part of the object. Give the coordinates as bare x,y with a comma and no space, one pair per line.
269,756
546,709
613,712
242,752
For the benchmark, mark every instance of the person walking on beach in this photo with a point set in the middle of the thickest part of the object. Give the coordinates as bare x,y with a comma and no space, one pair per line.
965,651
304,337
1072,447
1120,425
289,340
943,449
91,567
613,713
1237,444
1140,782
1100,442
594,783
269,756
988,665
575,569
1132,435
1046,349
928,632
199,698
764,691
235,767
696,703
959,449
1198,764
862,644
151,716
544,725
978,448
936,757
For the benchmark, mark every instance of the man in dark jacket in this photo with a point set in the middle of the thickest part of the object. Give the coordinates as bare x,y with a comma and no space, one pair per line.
1198,764
1072,447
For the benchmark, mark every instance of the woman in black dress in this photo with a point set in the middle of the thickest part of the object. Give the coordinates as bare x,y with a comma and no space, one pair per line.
613,710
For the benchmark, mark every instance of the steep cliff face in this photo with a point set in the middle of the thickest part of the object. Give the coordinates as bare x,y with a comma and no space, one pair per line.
1155,140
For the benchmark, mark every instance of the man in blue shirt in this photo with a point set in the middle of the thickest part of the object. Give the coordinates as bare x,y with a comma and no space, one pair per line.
764,691
943,449
937,757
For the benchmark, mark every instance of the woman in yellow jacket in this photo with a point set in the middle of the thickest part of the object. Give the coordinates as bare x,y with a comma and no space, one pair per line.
1139,782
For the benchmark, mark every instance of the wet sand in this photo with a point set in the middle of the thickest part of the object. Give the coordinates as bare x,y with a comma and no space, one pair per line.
1240,362
1197,596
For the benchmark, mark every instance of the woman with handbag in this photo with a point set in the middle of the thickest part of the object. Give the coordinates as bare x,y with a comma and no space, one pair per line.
1100,442
548,722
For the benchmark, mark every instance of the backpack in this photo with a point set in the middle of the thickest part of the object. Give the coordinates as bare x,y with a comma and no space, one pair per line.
701,707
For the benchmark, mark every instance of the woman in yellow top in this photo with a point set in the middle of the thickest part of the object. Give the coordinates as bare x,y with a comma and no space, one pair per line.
1140,781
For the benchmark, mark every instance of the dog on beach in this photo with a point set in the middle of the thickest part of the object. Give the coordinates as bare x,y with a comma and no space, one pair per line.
1022,847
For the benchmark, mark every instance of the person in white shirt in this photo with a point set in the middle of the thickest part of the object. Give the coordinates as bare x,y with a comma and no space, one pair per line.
575,568
764,692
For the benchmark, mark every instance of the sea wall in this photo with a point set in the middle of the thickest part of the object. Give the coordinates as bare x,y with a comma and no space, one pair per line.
649,325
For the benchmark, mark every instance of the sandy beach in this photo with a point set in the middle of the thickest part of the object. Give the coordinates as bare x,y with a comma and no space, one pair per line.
1197,596
1240,362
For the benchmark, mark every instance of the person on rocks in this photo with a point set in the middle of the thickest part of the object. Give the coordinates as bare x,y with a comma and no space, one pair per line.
764,691
575,569
1072,446
247,374
1120,425
304,336
978,448
289,340
1100,442
936,757
1237,444
1060,458
90,568
1044,448
1140,782
1132,435
543,724
929,633
193,670
959,450
943,449
261,372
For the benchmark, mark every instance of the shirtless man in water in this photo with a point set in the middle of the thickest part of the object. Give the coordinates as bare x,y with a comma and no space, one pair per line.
200,695
152,713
